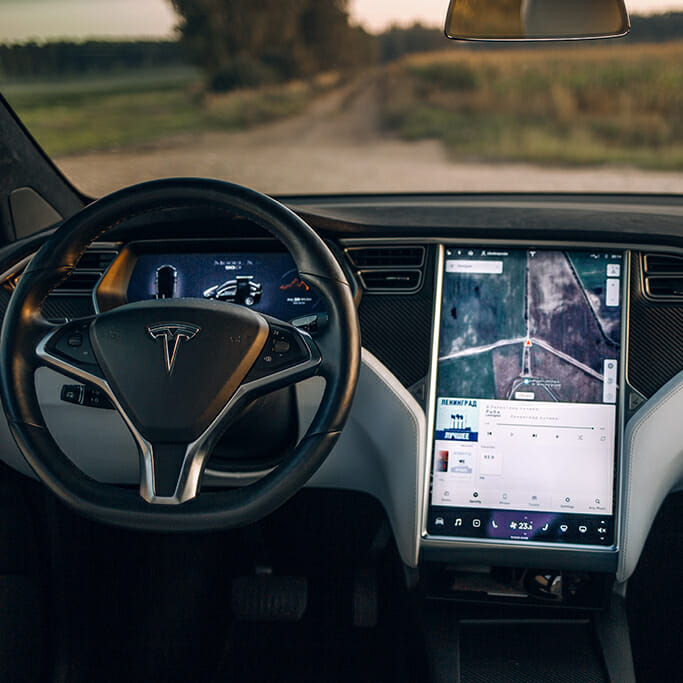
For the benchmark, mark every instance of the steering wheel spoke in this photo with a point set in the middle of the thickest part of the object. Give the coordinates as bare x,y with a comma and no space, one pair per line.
170,473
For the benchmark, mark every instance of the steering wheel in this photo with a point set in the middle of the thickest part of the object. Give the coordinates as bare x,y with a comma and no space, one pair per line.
179,371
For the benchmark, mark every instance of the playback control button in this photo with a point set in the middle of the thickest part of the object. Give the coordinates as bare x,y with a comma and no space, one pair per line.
72,343
283,349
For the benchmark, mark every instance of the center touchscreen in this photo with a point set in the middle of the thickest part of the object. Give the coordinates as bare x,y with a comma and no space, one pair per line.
525,414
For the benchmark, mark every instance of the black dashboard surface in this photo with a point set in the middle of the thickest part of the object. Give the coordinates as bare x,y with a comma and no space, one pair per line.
631,219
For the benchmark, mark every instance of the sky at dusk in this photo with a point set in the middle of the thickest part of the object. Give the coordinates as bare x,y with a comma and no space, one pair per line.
22,20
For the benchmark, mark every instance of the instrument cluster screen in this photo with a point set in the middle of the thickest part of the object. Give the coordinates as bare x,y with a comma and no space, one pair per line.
525,413
267,282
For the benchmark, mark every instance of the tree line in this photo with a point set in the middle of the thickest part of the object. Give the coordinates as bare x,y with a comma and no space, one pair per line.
244,43
656,28
63,58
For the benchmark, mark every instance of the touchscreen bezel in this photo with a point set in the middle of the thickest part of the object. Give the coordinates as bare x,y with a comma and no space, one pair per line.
472,542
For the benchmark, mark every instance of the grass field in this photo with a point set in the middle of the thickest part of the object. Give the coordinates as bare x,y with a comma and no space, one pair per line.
589,104
582,105
130,110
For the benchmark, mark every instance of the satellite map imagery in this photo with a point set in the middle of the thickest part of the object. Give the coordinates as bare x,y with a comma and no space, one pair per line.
530,325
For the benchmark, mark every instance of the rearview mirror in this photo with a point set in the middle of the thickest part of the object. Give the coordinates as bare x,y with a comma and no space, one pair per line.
536,19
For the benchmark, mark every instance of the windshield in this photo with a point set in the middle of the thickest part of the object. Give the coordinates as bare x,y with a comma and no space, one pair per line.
336,96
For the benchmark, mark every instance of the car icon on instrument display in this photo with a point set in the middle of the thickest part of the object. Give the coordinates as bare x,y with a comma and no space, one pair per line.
242,290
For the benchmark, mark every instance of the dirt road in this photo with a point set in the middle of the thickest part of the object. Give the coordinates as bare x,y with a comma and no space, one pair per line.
337,145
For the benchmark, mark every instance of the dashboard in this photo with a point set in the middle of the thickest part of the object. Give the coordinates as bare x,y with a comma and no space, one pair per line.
520,370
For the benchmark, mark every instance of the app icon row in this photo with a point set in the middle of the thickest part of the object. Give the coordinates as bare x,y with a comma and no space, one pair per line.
545,527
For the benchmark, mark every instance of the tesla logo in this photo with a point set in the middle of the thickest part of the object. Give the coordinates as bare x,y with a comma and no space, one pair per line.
172,334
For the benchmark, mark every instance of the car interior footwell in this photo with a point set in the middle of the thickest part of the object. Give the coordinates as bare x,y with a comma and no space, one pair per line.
655,597
315,592
141,606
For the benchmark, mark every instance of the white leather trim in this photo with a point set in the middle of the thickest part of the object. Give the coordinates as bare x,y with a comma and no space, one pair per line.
653,467
381,450
97,441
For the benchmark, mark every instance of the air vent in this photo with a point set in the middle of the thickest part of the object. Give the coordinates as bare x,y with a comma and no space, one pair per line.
386,257
391,280
87,273
663,276
665,287
388,268
96,260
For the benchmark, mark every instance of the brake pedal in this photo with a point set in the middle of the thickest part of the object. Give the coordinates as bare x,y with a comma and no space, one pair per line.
269,598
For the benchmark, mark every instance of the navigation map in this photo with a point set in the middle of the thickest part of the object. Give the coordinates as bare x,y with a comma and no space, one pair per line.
530,325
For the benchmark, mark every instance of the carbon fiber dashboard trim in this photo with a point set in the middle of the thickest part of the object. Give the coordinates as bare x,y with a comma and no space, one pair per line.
397,328
58,307
655,338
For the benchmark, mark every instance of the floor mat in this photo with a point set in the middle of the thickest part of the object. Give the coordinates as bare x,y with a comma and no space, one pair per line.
23,652
140,606
324,645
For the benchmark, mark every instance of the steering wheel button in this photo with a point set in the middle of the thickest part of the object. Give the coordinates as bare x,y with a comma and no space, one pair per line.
281,346
73,344
72,393
75,339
